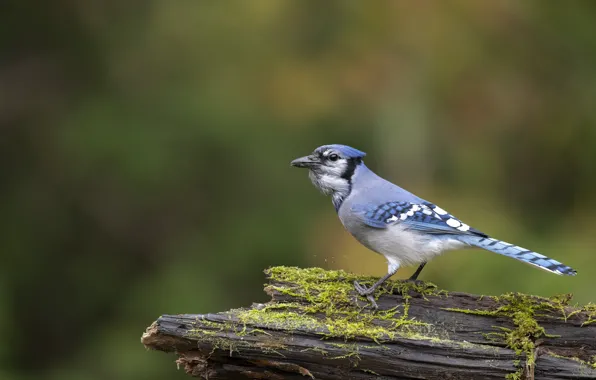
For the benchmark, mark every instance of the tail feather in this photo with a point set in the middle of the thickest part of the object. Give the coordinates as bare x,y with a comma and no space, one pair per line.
519,253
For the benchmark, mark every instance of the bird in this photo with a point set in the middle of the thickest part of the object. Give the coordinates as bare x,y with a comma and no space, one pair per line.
387,219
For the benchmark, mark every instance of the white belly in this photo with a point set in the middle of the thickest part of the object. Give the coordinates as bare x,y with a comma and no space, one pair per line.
401,246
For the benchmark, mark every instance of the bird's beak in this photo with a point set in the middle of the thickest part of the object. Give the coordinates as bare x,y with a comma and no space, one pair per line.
305,162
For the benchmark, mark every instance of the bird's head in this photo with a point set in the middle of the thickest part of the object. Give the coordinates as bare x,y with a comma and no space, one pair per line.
331,168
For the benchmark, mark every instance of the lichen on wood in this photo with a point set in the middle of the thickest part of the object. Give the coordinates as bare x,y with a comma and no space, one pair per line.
317,325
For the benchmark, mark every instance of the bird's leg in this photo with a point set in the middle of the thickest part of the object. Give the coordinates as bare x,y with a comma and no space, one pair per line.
367,292
414,277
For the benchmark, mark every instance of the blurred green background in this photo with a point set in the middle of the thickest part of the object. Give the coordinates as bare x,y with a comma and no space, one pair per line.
145,154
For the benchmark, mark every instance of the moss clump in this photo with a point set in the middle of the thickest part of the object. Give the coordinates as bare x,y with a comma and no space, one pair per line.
318,286
315,286
521,309
325,302
590,310
517,375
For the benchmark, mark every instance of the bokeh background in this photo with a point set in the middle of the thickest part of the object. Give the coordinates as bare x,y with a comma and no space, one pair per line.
145,149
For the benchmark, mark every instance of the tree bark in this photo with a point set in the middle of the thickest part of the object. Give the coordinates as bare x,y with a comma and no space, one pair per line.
315,326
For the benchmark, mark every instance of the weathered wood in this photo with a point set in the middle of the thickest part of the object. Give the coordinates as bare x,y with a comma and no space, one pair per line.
316,326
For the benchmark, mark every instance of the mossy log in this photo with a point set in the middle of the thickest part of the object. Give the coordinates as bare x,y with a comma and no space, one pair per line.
317,327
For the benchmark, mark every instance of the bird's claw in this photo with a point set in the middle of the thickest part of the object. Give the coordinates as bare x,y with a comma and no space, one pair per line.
363,290
372,301
366,292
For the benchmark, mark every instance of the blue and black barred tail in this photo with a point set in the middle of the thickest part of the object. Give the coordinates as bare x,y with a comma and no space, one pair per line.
518,253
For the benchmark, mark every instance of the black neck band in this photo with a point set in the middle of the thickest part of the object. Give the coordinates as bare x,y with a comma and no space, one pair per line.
347,175
351,168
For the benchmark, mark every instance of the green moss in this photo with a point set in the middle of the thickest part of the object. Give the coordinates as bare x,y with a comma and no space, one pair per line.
590,310
522,311
590,364
335,288
217,335
338,323
352,352
213,334
276,319
216,341
517,375
331,293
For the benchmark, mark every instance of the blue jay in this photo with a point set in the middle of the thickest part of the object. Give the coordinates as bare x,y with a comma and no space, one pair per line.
389,220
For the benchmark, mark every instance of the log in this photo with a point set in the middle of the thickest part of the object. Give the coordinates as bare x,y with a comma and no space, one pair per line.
316,326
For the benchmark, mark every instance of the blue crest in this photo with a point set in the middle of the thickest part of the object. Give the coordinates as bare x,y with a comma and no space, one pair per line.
344,150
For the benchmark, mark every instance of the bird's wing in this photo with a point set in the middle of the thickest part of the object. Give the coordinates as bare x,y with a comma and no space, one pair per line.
430,219
424,217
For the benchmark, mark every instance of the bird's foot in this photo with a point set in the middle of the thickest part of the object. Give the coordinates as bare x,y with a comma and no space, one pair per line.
363,290
366,292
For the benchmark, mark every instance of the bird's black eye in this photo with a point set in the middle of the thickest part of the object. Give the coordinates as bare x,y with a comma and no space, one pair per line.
333,157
